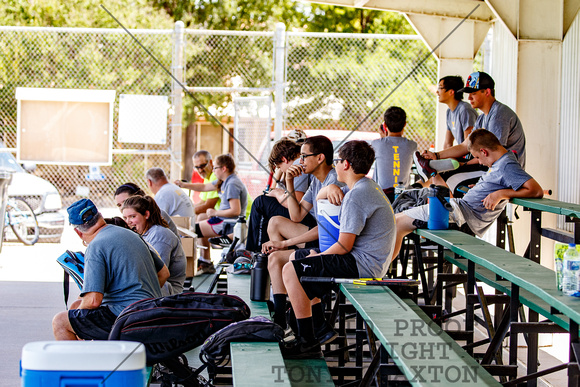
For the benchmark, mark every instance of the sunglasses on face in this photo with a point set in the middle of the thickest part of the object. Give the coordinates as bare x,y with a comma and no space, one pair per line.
304,156
202,166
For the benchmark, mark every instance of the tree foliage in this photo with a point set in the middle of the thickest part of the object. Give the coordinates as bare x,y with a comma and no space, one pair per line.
82,13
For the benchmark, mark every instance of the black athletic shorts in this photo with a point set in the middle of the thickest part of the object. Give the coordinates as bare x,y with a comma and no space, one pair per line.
92,324
338,266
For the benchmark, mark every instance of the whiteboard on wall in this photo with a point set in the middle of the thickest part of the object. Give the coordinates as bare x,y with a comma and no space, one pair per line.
143,119
64,126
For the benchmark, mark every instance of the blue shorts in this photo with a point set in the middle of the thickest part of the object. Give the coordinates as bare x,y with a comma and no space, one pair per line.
92,324
220,227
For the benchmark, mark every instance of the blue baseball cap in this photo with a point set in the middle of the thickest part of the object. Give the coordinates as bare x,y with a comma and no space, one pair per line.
478,81
80,212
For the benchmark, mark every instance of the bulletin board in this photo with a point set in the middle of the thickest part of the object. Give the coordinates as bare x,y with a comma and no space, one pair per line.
65,126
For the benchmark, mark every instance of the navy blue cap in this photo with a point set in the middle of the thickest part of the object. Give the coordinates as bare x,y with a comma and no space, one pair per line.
80,212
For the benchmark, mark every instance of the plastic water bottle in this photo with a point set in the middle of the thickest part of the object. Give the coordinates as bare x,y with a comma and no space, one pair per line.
399,188
241,230
571,271
432,148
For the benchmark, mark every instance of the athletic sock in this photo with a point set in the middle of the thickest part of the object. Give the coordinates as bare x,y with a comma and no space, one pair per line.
306,329
318,315
280,310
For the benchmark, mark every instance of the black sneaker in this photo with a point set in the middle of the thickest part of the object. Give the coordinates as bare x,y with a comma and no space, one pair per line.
325,334
423,168
300,349
222,241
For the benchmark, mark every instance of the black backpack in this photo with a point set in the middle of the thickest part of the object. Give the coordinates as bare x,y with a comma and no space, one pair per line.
215,351
172,325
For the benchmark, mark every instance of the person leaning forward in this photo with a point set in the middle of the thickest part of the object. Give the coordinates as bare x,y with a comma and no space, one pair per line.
119,270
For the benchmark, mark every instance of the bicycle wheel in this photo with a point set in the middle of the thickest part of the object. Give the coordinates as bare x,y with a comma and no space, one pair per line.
23,221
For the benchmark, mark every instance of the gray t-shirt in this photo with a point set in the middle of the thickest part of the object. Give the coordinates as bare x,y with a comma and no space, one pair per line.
173,200
232,188
367,213
394,156
315,186
169,248
170,222
118,264
505,124
504,173
460,119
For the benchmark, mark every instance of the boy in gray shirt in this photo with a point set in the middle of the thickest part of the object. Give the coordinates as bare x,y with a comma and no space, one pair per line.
460,115
363,249
393,152
483,203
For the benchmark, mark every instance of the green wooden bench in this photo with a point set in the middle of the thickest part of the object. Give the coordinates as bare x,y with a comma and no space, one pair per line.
536,206
422,351
524,280
261,364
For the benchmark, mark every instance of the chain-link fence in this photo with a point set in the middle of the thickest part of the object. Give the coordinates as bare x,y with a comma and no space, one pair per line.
86,59
335,81
332,82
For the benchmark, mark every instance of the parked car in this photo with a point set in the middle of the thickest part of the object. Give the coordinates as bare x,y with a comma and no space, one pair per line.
41,195
256,179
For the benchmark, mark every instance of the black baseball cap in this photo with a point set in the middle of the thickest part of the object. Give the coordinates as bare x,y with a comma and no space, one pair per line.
478,81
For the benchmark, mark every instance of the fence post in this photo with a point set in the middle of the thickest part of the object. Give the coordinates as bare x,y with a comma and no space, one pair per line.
279,81
176,101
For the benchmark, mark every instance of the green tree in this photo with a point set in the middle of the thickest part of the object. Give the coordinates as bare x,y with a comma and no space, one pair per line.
82,13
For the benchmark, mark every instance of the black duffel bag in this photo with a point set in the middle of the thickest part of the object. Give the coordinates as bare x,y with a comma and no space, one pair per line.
172,325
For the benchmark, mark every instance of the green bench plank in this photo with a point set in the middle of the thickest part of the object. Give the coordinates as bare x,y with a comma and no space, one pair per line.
425,354
549,205
528,275
203,283
449,238
258,364
526,298
239,285
308,372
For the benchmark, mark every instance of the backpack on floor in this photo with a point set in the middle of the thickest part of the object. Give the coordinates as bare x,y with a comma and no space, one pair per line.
172,325
215,351
73,265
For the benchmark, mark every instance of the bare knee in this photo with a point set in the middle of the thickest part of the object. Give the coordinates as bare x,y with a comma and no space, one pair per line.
288,272
277,260
274,224
60,322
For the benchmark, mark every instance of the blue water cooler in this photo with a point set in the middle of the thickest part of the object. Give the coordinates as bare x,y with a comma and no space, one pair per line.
83,363
328,224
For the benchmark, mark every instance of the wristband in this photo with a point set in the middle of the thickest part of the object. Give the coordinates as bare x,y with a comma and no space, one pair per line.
437,155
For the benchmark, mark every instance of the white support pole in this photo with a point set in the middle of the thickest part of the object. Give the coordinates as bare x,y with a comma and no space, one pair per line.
279,80
177,101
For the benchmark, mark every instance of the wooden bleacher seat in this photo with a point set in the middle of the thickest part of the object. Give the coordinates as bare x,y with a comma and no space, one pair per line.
419,347
261,364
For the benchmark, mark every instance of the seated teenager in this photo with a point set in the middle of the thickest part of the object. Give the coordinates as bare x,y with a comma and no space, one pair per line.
143,215
233,201
363,249
131,189
484,202
315,160
285,153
